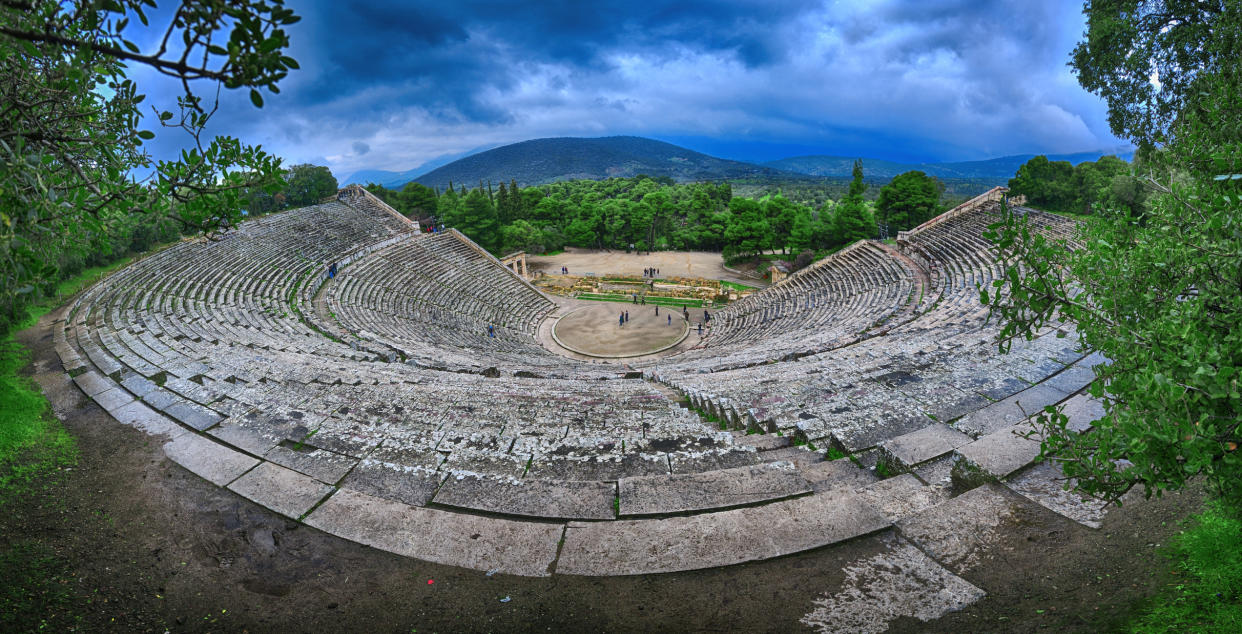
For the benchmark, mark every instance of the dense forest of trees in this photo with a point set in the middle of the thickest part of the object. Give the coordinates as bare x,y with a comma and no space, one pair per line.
1059,186
655,213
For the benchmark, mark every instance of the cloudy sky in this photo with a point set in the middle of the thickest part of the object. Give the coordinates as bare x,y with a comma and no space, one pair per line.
385,85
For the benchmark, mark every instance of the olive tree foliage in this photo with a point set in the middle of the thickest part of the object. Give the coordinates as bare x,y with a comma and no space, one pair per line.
1159,294
73,124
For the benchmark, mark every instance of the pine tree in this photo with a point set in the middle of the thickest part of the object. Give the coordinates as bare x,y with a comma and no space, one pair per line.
503,204
852,221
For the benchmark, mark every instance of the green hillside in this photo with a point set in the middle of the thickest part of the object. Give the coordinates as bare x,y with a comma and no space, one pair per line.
541,161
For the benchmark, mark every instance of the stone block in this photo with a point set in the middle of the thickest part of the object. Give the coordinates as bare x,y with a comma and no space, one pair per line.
413,485
148,420
208,459
902,496
909,450
455,539
322,465
552,499
282,490
193,414
997,455
633,547
1044,484
959,532
836,474
899,581
658,495
113,399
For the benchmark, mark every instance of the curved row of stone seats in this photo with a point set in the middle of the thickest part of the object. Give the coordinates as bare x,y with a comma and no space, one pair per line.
939,366
832,303
380,425
158,327
237,291
383,452
433,299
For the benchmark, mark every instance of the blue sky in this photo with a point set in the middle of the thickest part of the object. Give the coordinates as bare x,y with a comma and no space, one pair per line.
390,85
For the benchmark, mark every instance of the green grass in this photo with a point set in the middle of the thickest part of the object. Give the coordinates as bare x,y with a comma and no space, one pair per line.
36,587
32,441
737,287
651,300
832,453
1208,595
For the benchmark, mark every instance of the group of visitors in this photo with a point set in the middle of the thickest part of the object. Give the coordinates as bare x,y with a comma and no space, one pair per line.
564,270
652,272
625,316
332,271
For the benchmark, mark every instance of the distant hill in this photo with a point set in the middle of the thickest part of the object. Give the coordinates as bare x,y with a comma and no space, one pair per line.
541,161
397,180
997,168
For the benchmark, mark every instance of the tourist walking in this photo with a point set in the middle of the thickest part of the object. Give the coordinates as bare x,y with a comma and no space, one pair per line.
657,310
670,320
491,331
621,319
700,329
627,315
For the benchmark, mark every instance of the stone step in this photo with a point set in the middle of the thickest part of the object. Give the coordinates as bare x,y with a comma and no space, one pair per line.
645,546
1013,409
455,539
208,459
836,474
660,495
282,490
994,456
907,451
958,532
552,499
1044,484
800,456
763,442
902,496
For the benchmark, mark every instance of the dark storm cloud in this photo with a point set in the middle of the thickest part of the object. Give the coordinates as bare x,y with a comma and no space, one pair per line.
446,54
902,79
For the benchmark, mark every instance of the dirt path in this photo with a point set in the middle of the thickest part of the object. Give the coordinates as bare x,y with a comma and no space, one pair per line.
135,543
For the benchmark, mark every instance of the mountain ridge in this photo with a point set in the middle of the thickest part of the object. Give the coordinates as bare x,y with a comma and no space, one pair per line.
553,159
1004,167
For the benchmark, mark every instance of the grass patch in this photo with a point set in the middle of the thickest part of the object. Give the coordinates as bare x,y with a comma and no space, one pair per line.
741,288
708,417
833,453
882,470
551,253
36,587
651,299
32,441
1208,597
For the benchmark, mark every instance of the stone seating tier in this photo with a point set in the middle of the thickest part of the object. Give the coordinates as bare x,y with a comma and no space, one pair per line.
281,385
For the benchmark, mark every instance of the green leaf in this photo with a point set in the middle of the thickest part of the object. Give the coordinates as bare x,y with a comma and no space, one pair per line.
256,98
146,134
